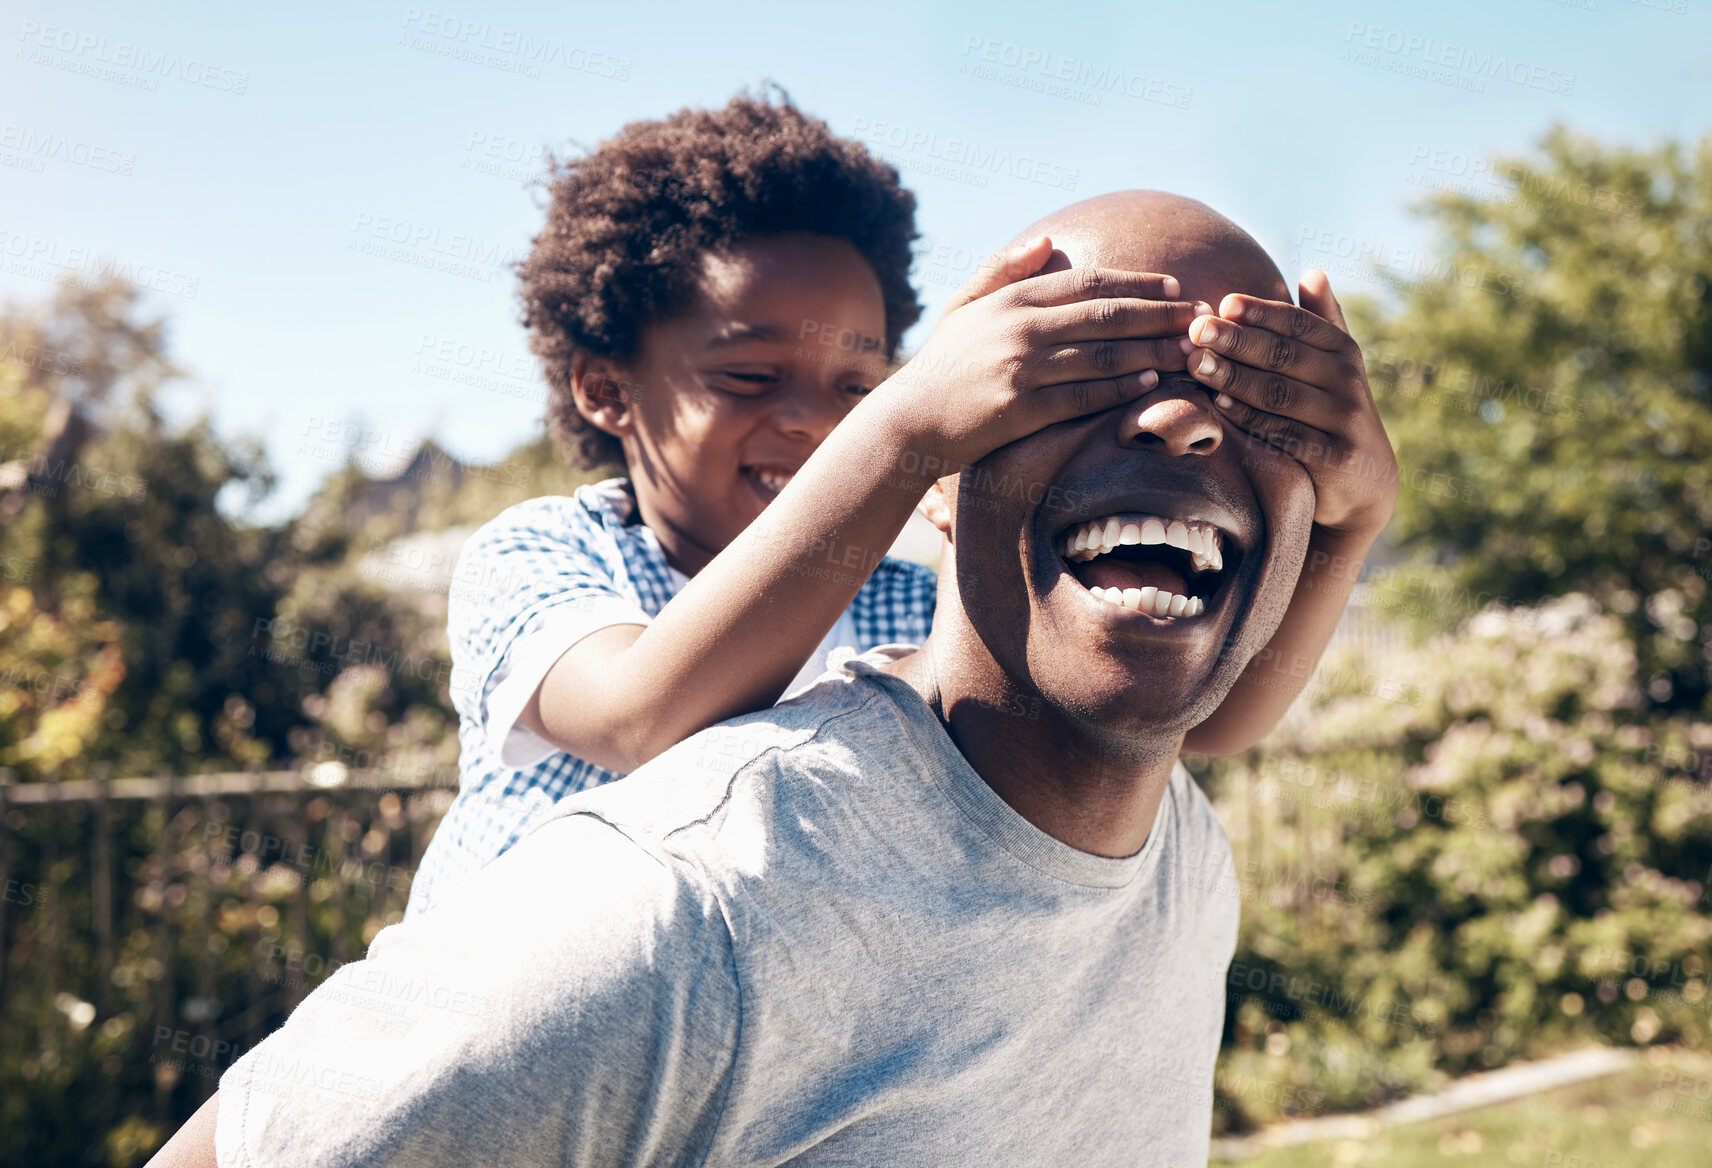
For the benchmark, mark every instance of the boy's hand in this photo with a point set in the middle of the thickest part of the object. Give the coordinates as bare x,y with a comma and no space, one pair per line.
1294,377
1016,351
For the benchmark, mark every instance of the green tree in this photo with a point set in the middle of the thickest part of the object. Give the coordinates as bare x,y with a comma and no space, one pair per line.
1548,385
111,519
139,624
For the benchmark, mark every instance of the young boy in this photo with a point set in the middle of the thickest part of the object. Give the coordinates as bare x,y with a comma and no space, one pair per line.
714,300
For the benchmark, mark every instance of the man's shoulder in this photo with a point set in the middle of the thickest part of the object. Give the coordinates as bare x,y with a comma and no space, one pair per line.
693,788
1200,863
1199,825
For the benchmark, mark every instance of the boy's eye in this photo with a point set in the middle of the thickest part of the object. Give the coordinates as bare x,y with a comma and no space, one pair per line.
747,382
859,390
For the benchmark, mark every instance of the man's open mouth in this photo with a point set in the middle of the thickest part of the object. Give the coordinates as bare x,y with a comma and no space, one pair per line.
1149,564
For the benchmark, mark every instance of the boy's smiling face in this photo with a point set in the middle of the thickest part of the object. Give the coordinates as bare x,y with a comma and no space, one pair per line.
784,336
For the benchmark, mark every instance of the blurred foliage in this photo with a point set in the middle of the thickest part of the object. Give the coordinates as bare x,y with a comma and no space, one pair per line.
1549,393
127,590
143,626
1452,853
228,910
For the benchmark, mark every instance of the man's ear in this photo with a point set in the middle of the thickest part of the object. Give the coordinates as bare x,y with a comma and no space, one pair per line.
604,393
936,505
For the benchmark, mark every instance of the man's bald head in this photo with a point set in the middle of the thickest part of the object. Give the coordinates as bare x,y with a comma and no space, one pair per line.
1154,231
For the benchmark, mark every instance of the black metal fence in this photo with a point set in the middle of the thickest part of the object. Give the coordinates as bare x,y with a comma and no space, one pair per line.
152,929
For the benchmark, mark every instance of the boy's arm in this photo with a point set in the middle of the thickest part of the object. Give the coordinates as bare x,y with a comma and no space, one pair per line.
1009,357
1279,672
1294,377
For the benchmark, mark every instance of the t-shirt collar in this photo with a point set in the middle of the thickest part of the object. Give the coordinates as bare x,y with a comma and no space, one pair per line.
980,803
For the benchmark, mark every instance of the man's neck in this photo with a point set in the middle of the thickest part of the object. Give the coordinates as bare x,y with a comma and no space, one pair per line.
1097,793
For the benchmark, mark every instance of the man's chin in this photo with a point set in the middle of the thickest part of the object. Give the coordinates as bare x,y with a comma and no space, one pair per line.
1141,677
1136,700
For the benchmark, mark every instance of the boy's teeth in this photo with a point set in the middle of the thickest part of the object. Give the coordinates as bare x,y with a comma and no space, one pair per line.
1151,600
773,480
1099,536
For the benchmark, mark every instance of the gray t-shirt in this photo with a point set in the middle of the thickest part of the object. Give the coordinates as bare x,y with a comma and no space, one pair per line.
812,935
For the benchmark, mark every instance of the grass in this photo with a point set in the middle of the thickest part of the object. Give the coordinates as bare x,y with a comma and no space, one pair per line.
1657,1115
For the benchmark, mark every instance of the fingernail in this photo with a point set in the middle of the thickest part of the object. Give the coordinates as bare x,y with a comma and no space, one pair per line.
1202,329
1149,378
1185,344
1224,401
1171,287
1202,308
1208,363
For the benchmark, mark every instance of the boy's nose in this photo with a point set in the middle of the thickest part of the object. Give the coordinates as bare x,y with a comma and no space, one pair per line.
1177,415
804,411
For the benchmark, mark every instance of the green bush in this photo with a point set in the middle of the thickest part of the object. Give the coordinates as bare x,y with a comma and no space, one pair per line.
1480,845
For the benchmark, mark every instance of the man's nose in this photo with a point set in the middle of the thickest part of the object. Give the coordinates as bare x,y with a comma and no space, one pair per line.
1181,417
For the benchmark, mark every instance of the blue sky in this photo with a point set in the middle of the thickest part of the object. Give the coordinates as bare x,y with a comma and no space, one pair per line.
323,197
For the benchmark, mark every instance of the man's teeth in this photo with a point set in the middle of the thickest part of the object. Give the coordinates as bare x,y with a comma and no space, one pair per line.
1097,536
773,480
1152,600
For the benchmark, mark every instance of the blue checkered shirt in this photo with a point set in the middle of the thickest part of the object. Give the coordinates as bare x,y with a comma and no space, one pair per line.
591,554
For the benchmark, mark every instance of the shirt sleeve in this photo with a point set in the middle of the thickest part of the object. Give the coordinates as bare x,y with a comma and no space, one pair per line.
592,1029
525,665
528,586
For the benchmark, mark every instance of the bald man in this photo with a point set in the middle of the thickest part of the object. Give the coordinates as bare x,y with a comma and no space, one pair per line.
958,904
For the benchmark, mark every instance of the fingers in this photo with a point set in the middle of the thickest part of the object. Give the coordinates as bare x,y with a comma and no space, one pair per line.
1097,360
1315,293
1306,444
1075,284
1269,351
1112,317
1076,399
1260,389
1299,324
1003,268
1347,486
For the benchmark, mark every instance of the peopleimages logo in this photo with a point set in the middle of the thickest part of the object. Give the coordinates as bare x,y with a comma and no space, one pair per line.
1086,81
1471,64
977,158
42,147
84,52
510,49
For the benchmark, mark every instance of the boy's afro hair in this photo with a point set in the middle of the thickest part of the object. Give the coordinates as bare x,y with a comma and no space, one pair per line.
629,223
